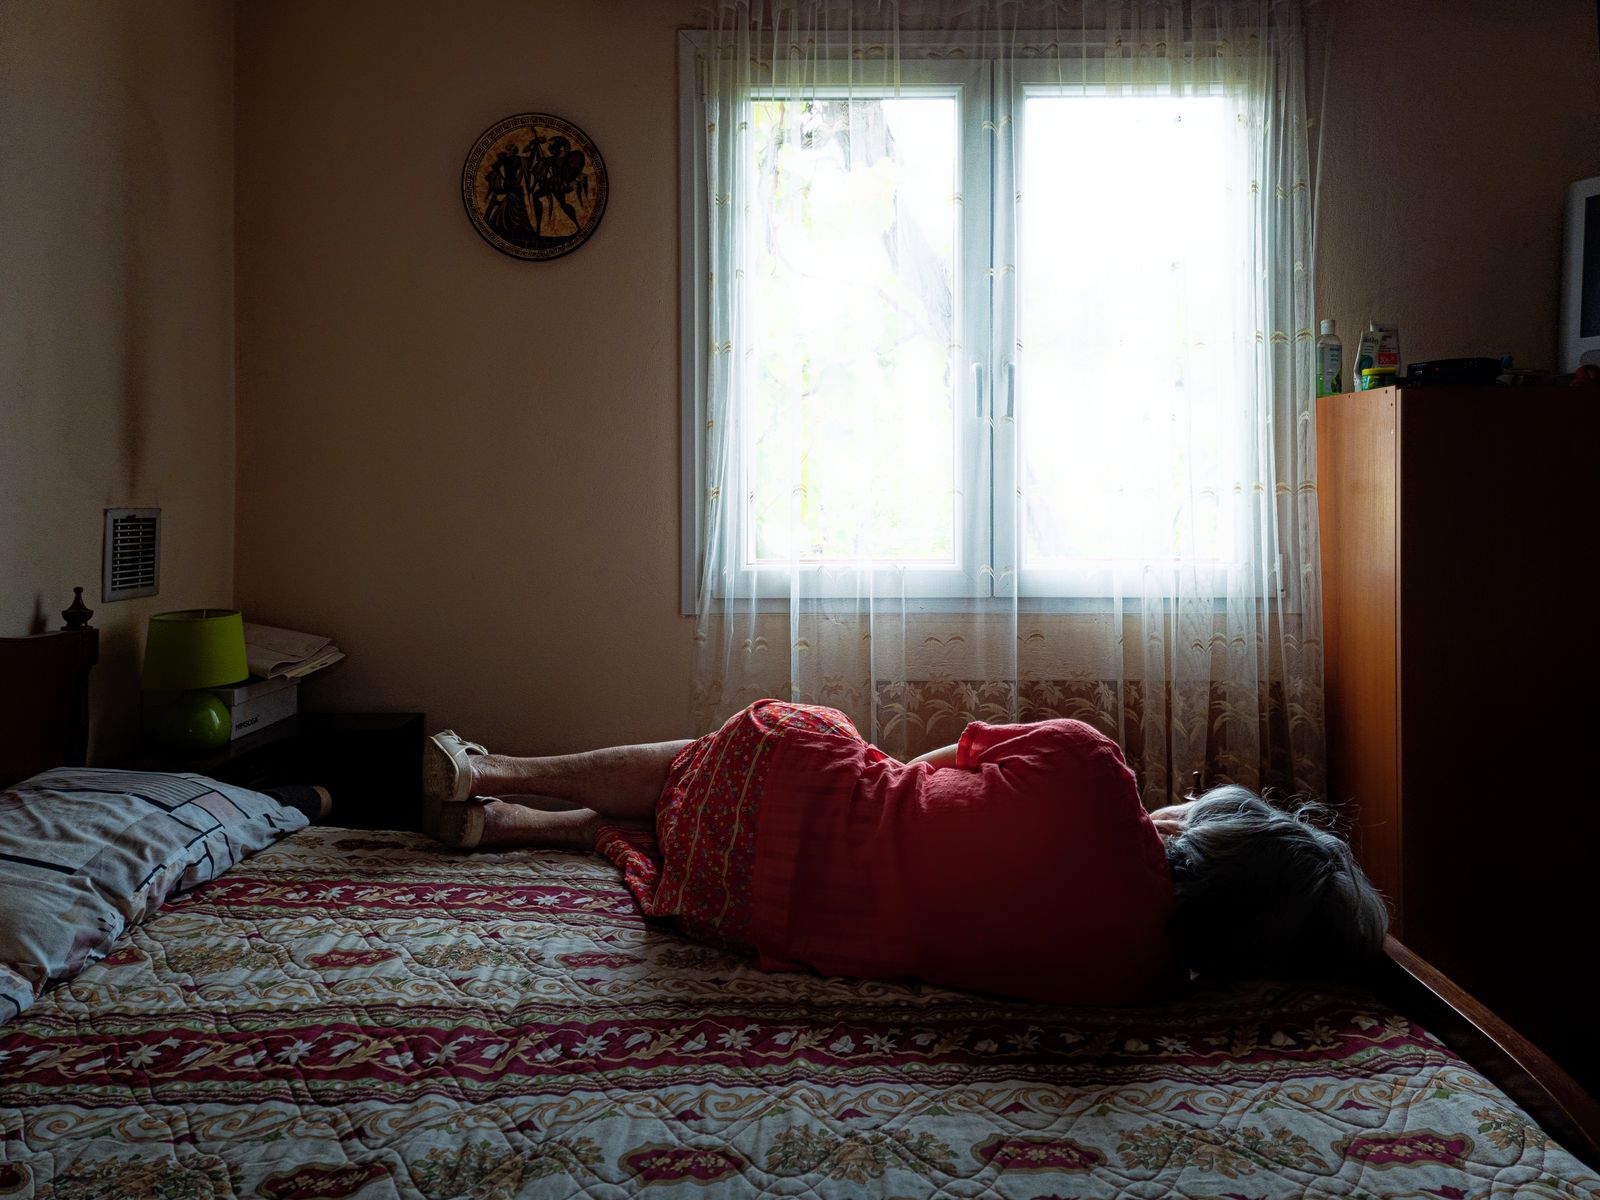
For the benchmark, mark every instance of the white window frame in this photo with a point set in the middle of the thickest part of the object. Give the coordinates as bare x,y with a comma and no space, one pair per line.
987,546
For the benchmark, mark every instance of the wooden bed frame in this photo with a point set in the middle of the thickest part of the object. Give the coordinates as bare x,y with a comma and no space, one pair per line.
1413,986
43,713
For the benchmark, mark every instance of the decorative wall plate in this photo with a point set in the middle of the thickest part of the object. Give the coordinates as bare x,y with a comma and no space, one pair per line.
534,186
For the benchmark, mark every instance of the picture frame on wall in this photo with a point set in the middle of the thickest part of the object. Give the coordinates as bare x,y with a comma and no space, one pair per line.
534,186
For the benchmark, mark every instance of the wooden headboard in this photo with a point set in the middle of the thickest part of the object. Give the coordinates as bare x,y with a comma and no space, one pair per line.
44,698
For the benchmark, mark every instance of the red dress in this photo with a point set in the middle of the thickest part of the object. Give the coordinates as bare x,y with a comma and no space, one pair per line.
1030,869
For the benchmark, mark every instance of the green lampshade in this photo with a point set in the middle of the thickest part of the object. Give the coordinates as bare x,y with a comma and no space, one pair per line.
195,648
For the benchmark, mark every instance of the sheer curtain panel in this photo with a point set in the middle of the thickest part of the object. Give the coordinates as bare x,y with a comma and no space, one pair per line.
999,354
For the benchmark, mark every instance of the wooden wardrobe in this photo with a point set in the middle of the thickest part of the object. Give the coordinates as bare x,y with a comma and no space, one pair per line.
1461,613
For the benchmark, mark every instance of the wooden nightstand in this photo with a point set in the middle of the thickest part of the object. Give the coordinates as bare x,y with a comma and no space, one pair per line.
371,762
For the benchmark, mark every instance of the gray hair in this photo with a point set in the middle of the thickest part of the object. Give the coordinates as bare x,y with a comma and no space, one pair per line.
1262,891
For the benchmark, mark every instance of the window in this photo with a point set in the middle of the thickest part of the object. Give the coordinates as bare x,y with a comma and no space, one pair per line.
1126,308
960,358
850,313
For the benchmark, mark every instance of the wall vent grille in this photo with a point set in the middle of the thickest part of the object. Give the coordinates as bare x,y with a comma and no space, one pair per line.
133,553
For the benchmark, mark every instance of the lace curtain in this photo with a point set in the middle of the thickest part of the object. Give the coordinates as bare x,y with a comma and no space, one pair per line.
1006,373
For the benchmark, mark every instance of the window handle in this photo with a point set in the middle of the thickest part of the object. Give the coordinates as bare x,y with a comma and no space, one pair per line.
977,388
1011,391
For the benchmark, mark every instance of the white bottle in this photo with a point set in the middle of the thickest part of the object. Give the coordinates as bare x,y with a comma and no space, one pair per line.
1330,361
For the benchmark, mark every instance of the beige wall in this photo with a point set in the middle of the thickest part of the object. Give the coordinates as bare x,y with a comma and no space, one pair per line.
116,312
1452,132
463,466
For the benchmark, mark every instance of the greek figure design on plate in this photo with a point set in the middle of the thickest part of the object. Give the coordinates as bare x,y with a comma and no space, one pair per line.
534,186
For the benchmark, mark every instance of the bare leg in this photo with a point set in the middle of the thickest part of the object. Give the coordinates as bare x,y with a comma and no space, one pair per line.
622,781
485,824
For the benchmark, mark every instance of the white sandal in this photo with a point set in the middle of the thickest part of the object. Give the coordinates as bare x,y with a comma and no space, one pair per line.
446,771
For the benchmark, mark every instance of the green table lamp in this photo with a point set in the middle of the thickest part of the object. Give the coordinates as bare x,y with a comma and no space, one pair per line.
187,652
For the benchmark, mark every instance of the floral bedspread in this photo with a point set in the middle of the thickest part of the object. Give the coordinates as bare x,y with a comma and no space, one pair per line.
359,1015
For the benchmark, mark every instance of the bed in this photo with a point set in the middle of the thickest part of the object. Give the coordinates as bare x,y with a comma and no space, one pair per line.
359,1014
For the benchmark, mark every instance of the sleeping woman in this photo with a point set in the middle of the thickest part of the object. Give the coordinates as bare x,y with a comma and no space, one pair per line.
1018,861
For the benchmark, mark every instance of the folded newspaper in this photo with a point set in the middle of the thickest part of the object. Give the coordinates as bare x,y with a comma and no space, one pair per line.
284,654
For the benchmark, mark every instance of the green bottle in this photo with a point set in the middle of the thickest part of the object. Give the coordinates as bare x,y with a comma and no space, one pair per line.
1330,361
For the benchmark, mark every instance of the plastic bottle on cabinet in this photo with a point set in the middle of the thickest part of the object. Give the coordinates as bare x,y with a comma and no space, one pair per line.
1330,361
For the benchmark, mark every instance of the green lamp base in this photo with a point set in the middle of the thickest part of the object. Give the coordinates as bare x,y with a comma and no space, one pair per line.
196,721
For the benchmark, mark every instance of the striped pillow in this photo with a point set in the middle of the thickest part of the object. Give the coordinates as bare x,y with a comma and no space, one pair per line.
85,853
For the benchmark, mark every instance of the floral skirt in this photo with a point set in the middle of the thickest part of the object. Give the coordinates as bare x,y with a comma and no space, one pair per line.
699,865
